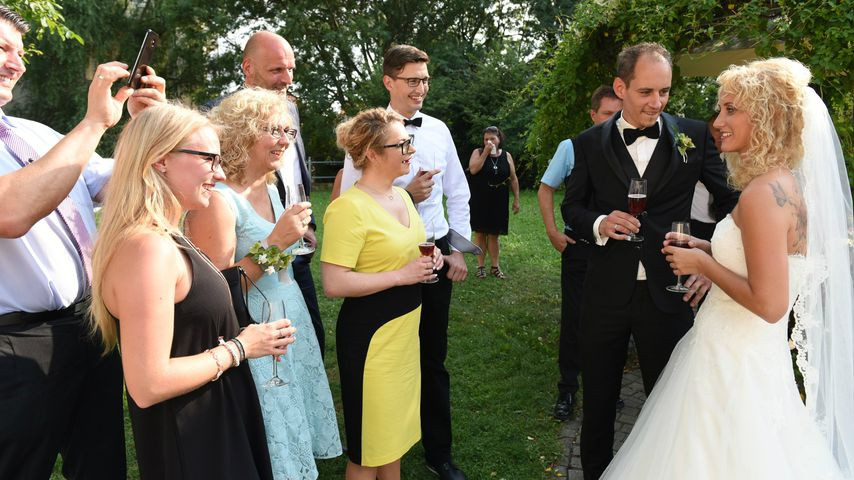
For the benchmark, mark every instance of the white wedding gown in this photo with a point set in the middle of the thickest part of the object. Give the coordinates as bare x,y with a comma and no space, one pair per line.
726,407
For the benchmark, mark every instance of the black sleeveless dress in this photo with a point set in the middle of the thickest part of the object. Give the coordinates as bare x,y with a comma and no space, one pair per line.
215,431
490,191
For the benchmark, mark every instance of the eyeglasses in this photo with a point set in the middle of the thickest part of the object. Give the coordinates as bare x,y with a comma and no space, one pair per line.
279,132
413,82
404,145
214,158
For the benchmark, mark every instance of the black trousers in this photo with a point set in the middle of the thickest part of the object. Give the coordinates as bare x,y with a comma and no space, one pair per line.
573,268
302,274
435,380
59,395
604,339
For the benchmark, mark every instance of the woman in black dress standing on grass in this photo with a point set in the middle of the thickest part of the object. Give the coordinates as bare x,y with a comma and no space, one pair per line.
491,169
191,398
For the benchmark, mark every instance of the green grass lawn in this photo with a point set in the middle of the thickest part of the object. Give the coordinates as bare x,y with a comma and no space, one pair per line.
501,356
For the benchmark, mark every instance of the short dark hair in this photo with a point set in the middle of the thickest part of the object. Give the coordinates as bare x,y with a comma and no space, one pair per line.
13,19
604,91
495,131
396,58
628,58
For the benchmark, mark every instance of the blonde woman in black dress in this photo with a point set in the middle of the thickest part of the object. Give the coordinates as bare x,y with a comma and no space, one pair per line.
492,175
192,402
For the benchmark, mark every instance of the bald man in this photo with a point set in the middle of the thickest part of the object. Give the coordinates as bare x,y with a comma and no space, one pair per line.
269,63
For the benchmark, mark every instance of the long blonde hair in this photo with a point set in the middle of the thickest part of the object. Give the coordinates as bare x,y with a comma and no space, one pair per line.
771,92
138,197
243,117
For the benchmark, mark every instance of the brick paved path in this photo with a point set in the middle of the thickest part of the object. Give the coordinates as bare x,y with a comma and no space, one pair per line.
569,466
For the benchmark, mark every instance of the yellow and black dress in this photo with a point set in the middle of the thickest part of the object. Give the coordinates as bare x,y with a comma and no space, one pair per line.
377,335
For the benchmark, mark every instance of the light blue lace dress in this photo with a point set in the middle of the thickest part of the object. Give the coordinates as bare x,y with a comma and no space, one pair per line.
299,417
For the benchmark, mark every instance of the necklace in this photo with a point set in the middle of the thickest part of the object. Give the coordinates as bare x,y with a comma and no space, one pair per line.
494,165
389,195
206,260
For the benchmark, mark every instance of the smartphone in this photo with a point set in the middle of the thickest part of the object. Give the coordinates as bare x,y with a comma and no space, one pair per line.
143,59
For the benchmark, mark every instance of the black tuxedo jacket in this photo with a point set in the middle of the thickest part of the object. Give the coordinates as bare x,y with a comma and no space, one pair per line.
599,184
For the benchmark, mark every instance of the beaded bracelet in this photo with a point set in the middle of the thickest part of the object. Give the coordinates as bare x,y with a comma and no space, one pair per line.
218,365
232,350
271,259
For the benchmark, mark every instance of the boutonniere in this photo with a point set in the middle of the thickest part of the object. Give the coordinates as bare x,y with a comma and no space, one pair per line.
683,143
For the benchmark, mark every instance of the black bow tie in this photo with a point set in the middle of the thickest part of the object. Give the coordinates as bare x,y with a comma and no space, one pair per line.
632,134
415,122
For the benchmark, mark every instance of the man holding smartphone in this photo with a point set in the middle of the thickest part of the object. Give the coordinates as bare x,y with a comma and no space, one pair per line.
438,174
58,394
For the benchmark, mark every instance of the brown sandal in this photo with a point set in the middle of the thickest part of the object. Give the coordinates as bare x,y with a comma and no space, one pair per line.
481,272
497,273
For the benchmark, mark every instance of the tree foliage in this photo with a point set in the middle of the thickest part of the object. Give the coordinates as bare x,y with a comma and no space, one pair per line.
818,33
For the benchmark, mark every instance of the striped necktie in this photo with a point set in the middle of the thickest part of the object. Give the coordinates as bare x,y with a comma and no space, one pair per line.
67,211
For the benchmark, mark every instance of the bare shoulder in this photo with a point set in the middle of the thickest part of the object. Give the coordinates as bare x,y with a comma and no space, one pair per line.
142,249
776,197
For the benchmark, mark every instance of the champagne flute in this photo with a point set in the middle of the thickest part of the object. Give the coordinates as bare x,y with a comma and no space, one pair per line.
302,248
266,315
637,204
681,235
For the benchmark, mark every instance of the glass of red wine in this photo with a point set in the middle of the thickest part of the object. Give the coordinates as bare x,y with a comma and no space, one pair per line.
637,203
426,249
681,235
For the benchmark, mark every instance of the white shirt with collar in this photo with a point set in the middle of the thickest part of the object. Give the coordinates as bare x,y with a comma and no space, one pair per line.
434,149
641,152
41,270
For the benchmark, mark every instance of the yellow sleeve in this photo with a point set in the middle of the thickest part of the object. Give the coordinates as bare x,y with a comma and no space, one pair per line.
343,233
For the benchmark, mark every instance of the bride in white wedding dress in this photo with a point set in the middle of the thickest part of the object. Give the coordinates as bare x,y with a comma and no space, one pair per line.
727,406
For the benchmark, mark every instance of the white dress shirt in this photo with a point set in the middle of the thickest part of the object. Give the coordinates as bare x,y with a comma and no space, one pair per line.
641,152
41,270
434,149
290,171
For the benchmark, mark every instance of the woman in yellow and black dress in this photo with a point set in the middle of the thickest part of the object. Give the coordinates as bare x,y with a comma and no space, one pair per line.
370,256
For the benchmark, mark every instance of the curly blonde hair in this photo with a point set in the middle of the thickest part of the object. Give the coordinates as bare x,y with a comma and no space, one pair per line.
243,117
771,92
366,131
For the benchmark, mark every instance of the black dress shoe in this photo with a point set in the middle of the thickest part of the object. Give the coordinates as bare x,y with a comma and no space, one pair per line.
563,407
447,471
620,404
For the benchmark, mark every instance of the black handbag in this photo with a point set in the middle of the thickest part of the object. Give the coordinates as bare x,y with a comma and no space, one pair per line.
238,286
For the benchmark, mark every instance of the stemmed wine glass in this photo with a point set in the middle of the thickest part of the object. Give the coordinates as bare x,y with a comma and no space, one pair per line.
302,248
427,247
266,315
681,235
637,203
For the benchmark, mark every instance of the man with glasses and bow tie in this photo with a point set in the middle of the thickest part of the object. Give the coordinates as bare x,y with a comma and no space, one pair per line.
624,290
436,173
58,394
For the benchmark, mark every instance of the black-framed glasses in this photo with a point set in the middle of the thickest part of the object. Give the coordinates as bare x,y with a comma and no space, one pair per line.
279,132
413,82
403,145
214,158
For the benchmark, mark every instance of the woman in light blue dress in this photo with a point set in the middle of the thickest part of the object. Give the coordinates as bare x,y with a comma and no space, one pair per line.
246,209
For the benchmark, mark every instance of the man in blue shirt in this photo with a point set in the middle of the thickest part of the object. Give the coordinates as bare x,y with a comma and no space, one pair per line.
58,394
603,104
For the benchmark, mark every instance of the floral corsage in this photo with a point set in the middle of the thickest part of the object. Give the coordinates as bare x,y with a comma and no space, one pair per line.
683,143
271,259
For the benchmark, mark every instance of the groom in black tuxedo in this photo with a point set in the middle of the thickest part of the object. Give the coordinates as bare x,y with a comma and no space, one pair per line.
624,290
